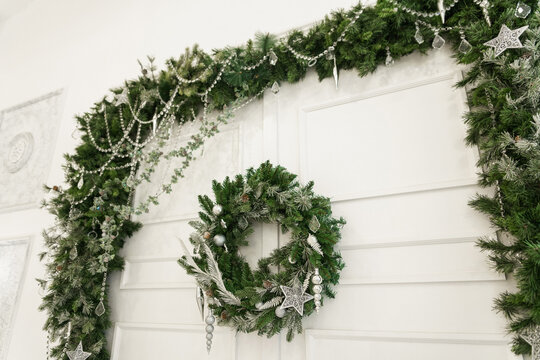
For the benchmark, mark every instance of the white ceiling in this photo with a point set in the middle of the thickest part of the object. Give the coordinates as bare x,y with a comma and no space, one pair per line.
8,8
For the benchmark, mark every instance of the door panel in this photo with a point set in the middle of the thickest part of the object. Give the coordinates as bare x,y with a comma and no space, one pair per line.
388,150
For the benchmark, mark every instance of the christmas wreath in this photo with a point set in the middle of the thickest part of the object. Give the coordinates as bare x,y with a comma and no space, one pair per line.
277,294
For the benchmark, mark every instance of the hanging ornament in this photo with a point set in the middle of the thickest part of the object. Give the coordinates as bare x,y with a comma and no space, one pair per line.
464,45
295,297
532,336
438,41
507,39
272,57
210,319
199,298
312,241
275,87
217,209
389,59
317,289
73,253
78,353
80,184
314,224
154,124
442,10
418,34
219,240
522,10
484,4
330,55
279,312
100,309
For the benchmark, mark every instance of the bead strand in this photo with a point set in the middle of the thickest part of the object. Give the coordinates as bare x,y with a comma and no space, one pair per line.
422,13
312,60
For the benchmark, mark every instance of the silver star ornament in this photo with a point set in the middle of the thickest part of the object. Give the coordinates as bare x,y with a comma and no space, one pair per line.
78,353
295,297
122,98
532,336
507,39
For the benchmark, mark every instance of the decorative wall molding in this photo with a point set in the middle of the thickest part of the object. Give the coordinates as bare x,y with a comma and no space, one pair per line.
14,259
28,133
130,262
121,329
313,337
304,173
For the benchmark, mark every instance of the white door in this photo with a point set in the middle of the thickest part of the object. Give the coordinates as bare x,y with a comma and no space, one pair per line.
388,149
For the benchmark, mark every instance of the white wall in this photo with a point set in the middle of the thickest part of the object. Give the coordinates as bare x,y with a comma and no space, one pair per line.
87,47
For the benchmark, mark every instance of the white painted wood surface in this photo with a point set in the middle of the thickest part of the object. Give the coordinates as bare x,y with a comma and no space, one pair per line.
389,150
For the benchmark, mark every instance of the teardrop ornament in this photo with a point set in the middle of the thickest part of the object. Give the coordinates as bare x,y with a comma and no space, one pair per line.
199,298
314,224
275,87
272,57
100,309
73,253
438,42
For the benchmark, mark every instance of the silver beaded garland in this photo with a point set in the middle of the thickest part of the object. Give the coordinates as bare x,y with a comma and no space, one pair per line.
317,289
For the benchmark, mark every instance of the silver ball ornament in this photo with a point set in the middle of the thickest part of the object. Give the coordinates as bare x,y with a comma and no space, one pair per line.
280,312
209,336
210,319
209,328
217,209
317,288
317,297
219,240
316,279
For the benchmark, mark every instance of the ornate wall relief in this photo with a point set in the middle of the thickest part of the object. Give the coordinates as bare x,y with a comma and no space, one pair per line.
13,258
27,141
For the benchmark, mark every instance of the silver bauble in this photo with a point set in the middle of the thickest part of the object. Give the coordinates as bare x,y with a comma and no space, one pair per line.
280,312
209,336
317,297
217,209
317,288
316,279
209,328
219,240
210,319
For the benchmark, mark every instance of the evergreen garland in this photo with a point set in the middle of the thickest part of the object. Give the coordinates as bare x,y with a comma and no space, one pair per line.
93,217
249,301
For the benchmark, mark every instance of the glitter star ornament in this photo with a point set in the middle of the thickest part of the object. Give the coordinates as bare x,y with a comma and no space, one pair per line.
122,98
532,336
295,297
78,353
507,39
